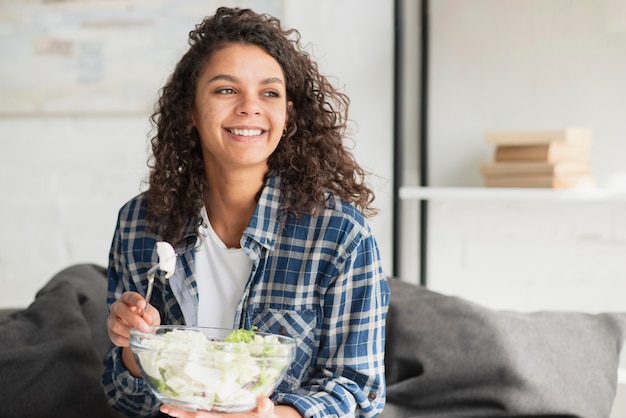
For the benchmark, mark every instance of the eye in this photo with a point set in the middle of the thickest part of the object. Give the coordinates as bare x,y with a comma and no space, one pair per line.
271,94
225,90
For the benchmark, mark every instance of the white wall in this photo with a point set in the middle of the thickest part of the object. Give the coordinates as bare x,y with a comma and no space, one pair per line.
520,64
73,149
524,64
62,181
515,65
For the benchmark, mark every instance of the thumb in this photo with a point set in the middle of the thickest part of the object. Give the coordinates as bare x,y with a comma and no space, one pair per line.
265,407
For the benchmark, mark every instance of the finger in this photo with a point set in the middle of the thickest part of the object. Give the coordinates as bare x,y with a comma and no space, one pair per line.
114,327
134,301
118,332
124,312
153,315
265,407
120,341
146,317
178,413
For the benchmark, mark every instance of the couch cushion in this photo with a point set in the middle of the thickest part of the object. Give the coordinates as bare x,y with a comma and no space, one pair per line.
449,357
51,352
6,314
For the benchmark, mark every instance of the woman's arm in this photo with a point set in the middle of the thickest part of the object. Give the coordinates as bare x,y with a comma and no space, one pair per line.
348,376
123,389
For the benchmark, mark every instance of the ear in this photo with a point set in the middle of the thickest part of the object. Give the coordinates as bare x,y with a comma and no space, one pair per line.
289,109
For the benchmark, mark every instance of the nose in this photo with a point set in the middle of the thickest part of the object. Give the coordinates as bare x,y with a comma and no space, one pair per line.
249,104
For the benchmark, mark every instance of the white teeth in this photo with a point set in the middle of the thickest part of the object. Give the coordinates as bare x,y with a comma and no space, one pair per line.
246,132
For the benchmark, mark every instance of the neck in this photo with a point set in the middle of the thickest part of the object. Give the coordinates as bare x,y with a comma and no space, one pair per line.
230,203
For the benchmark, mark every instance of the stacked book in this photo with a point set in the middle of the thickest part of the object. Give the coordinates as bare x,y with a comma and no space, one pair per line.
557,159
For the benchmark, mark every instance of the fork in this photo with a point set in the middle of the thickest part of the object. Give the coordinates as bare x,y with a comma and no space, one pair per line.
151,274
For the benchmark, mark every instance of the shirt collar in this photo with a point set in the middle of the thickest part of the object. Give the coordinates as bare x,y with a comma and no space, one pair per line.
264,224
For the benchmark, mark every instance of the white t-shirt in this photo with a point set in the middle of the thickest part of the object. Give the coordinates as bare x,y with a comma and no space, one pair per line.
221,276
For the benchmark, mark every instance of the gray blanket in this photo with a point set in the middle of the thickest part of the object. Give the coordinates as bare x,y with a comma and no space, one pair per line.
448,357
51,354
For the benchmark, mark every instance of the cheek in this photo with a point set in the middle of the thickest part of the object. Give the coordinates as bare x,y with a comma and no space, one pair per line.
281,117
208,118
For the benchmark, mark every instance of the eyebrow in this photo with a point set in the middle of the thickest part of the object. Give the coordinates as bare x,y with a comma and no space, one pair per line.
269,80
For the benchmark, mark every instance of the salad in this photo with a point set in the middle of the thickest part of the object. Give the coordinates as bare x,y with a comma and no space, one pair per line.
167,258
185,367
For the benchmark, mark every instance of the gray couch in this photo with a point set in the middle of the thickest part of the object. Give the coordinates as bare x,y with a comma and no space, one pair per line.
446,357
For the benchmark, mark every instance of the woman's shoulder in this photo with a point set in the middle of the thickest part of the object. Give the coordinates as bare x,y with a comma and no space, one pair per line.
346,210
343,228
134,210
336,212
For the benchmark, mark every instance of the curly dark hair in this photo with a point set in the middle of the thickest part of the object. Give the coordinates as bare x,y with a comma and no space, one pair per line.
311,159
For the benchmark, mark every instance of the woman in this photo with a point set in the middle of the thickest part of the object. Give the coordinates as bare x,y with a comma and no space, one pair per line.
252,185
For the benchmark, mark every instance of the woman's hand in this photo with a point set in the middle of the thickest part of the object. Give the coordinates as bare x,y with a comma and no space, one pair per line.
265,409
130,311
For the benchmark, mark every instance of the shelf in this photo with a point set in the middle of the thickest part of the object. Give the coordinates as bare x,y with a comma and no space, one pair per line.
525,194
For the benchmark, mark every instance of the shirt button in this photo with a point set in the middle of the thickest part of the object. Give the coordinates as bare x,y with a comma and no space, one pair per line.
282,330
371,396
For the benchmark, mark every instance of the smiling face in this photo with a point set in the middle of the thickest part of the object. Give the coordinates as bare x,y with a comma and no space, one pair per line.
240,109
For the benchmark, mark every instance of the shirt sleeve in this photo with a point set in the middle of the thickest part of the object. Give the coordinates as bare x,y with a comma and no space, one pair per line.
349,373
123,391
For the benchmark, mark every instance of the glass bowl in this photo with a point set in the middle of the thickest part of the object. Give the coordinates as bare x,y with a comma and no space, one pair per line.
197,368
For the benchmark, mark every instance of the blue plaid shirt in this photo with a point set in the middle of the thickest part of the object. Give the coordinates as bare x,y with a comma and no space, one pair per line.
317,279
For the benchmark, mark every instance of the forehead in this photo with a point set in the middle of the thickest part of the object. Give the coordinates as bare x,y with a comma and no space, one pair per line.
243,59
